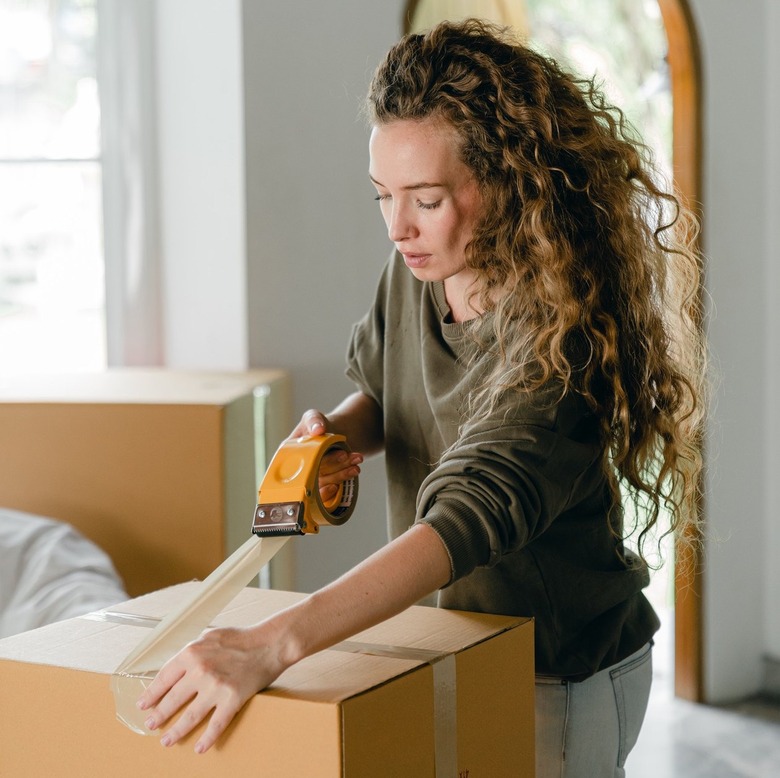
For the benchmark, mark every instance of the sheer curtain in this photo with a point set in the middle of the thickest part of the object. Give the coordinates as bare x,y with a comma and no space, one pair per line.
126,77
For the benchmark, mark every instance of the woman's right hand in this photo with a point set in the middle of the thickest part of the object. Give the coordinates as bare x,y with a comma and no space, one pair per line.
336,466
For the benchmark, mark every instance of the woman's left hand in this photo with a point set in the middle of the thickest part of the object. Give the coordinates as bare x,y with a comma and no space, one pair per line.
215,674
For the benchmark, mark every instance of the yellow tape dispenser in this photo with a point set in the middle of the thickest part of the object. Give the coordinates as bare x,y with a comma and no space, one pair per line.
289,501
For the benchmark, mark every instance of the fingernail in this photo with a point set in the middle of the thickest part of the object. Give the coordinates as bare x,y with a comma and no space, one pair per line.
199,748
166,741
150,723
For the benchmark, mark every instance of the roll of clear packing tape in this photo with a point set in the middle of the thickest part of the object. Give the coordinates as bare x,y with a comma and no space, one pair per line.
289,503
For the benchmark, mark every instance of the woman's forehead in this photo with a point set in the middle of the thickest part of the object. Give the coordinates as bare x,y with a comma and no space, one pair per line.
427,149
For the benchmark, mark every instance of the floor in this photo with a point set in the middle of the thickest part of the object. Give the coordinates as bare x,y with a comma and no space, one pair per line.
683,740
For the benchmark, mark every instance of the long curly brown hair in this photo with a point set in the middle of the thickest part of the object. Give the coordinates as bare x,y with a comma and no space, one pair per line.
588,265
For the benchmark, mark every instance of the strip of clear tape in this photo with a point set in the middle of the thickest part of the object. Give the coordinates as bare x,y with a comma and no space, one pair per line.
184,624
445,707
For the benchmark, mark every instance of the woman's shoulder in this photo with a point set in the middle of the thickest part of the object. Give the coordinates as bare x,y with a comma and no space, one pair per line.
551,406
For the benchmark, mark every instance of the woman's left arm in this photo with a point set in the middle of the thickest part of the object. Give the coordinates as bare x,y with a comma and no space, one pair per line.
221,670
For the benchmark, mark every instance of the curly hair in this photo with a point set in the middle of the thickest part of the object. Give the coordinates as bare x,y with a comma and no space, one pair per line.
588,265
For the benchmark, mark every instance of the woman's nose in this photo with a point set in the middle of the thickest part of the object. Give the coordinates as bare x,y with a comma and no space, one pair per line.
400,226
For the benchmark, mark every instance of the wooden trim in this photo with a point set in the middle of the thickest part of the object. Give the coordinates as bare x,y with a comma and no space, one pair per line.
685,72
406,21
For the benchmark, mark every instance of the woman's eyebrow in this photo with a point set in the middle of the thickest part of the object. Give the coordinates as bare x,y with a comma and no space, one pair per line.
421,185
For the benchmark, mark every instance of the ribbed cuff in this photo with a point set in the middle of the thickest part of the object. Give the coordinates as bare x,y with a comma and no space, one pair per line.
462,533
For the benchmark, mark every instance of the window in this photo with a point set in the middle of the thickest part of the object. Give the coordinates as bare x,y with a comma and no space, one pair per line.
51,252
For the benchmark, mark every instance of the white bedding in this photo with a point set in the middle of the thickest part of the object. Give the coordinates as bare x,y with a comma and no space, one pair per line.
49,572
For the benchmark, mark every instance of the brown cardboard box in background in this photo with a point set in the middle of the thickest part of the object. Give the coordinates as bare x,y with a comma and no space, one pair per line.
159,468
352,712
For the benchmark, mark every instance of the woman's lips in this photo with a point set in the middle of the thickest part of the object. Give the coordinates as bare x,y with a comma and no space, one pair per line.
416,260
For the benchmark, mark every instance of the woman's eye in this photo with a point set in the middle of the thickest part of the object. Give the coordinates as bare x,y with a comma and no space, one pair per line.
420,204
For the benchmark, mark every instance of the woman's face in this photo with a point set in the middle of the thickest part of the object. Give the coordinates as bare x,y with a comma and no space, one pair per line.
429,198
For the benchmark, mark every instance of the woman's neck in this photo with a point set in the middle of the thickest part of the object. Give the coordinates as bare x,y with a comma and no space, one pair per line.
461,297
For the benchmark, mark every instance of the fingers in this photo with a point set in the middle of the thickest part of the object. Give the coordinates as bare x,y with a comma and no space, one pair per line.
217,725
168,692
337,466
178,696
221,702
313,422
222,712
167,678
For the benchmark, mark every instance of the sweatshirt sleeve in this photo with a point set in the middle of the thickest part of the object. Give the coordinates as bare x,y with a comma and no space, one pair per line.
507,480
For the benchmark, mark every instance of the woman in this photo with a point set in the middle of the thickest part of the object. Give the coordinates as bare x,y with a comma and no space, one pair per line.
530,361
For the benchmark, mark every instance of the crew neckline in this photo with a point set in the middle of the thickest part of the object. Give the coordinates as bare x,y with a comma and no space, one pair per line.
449,327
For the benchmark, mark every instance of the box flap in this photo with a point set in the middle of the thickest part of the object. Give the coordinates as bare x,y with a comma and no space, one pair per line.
98,642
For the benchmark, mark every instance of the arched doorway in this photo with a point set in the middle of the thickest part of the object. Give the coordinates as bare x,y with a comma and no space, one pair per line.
683,149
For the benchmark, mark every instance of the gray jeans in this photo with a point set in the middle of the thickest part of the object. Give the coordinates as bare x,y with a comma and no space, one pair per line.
587,729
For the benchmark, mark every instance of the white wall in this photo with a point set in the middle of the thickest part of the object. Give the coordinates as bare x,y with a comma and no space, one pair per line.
315,239
313,244
738,173
771,300
201,174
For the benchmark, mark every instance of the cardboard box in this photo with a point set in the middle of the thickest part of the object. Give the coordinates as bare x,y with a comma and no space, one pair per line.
159,468
362,710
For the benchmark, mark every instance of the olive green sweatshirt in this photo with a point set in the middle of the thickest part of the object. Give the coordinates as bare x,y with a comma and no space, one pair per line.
519,499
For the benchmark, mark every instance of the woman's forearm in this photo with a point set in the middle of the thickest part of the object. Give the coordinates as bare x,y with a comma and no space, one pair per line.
392,579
